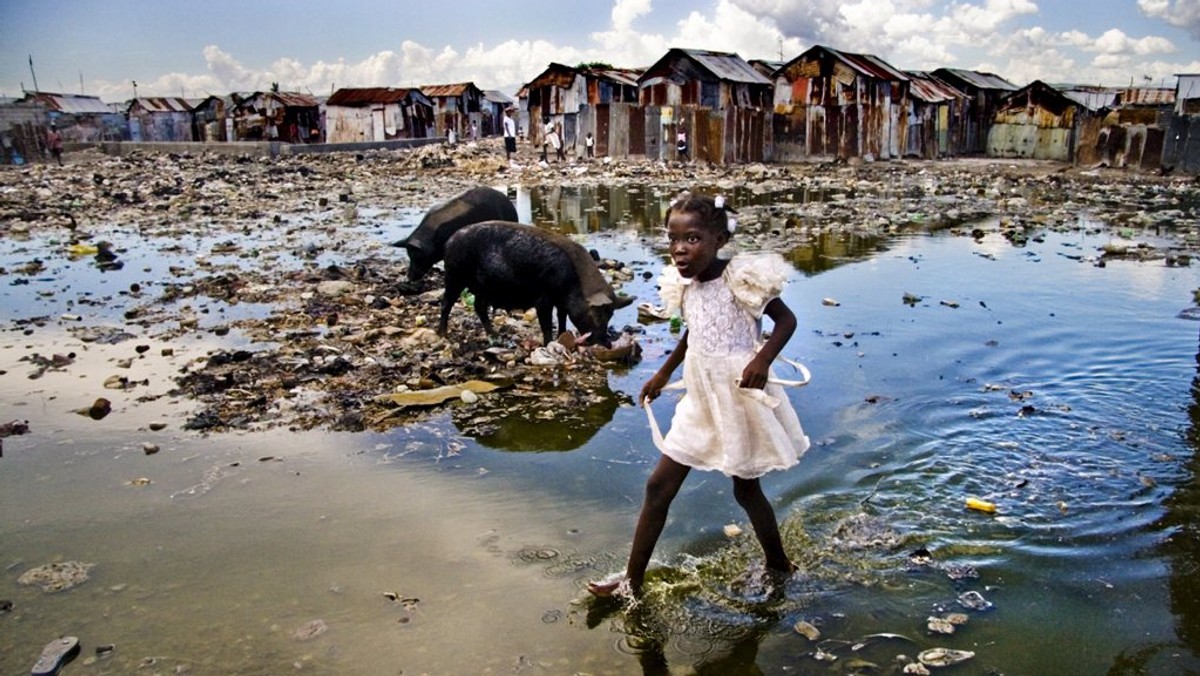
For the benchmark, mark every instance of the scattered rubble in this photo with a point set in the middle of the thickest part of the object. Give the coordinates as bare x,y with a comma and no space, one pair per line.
286,260
56,577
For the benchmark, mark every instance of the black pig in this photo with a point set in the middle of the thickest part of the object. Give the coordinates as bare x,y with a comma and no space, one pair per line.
515,267
427,243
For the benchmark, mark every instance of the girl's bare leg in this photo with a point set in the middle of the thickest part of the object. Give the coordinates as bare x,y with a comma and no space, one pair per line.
748,493
661,488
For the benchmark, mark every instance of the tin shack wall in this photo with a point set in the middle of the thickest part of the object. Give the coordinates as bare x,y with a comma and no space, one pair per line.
825,109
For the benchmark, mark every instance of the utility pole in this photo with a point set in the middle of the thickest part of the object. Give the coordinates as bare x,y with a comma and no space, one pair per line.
35,87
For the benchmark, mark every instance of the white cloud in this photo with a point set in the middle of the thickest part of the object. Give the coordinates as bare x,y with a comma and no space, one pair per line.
625,11
731,29
1006,37
1183,14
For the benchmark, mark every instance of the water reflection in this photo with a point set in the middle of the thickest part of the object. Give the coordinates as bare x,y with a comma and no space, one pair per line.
585,210
1183,546
510,425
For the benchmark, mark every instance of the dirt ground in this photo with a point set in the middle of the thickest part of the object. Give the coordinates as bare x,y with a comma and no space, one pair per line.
348,345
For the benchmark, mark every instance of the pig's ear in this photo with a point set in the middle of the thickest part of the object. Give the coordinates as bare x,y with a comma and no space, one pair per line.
624,300
407,243
599,299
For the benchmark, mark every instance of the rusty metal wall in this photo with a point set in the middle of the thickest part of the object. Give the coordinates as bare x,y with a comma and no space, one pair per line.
637,122
1181,147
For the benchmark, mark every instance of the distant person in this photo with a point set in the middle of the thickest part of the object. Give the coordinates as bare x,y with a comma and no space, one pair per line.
681,144
590,144
510,134
547,134
54,143
735,418
474,130
451,137
557,142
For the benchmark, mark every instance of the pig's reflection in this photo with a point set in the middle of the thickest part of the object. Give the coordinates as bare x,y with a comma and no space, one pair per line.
555,420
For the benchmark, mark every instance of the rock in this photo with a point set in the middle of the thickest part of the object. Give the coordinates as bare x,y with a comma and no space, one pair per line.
807,630
56,577
98,410
310,630
335,287
149,448
944,657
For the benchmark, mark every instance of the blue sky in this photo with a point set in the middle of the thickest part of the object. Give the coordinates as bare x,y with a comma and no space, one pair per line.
174,48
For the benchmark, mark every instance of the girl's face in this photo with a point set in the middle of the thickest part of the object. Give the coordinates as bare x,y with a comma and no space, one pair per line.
694,245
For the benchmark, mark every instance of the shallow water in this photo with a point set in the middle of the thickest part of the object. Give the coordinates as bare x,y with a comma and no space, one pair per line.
1062,391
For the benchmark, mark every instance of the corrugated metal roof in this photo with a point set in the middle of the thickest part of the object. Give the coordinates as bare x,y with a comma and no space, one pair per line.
926,87
980,80
767,67
727,66
496,96
294,99
70,104
691,64
555,75
869,65
621,76
1146,96
457,89
162,104
1092,98
363,96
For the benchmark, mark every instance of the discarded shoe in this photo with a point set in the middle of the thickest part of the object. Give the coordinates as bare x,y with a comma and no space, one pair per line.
56,653
650,312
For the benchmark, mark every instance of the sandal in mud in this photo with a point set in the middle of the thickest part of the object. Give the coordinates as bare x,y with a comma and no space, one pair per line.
56,654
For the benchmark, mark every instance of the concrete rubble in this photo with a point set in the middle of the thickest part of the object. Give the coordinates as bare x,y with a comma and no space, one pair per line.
285,264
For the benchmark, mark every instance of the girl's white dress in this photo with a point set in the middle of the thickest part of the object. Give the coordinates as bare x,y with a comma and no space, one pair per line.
718,425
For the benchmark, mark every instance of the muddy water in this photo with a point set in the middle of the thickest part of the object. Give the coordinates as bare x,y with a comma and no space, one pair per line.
1027,376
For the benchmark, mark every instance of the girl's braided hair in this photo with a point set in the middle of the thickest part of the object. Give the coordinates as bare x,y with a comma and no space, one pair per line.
712,211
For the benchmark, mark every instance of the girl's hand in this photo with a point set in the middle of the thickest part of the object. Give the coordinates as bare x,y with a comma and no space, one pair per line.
653,388
755,374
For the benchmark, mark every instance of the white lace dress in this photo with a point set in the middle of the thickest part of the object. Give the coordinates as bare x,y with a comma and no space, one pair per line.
718,425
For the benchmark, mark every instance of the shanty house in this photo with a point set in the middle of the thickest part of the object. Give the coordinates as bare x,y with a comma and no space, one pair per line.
984,91
830,103
1178,150
593,99
289,117
935,112
355,115
22,131
555,97
612,109
1037,122
215,115
160,118
455,106
1133,131
717,98
492,112
80,119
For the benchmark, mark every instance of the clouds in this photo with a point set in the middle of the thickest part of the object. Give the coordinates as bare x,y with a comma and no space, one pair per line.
1183,14
1020,40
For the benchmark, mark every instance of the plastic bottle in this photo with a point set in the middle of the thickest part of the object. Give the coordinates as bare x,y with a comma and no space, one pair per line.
981,505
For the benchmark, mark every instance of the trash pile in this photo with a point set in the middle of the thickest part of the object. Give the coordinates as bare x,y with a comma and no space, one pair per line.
341,340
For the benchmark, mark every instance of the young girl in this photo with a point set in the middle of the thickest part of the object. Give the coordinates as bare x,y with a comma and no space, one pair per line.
724,422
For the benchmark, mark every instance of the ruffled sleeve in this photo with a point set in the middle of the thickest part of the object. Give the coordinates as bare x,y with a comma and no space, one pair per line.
670,289
755,279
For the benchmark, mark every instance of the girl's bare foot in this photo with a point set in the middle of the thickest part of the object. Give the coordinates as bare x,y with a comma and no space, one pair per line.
613,585
603,588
